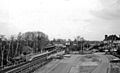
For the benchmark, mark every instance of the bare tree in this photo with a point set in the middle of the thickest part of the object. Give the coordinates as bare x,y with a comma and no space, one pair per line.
2,50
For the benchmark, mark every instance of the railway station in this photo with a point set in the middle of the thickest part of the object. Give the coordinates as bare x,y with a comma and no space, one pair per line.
63,59
59,36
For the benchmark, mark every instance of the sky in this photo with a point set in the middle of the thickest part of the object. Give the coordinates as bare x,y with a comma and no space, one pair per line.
91,19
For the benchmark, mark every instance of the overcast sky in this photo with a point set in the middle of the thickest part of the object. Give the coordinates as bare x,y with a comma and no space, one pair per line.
91,19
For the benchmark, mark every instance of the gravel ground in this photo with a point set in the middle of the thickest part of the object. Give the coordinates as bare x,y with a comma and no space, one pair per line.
89,63
86,69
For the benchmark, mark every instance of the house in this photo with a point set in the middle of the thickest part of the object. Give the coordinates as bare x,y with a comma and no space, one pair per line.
112,39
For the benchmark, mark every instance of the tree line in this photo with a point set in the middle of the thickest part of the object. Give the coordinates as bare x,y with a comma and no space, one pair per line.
20,45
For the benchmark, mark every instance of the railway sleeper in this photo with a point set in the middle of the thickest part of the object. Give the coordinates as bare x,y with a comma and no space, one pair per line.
32,66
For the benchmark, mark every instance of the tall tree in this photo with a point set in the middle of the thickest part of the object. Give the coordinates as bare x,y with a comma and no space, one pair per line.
38,40
2,49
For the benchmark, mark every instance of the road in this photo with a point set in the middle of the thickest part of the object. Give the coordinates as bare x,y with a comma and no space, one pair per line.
97,63
104,66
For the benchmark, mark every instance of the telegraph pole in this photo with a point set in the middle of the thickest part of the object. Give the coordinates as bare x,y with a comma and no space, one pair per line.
80,43
67,48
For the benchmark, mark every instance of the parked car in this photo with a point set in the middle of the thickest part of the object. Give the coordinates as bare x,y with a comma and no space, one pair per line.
67,55
58,57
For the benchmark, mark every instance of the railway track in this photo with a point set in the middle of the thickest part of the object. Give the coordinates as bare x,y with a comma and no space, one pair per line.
32,63
27,67
110,57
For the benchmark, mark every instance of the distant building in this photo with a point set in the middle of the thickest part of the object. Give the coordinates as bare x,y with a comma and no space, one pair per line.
111,39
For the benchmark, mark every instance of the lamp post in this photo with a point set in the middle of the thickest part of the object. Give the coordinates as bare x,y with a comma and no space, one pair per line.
80,43
67,48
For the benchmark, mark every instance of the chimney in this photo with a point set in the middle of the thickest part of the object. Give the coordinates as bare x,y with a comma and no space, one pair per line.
106,36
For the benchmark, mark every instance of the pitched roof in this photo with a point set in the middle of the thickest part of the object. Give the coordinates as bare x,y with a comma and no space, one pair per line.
111,37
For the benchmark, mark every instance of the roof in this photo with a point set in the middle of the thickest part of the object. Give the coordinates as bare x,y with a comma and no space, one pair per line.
27,49
112,37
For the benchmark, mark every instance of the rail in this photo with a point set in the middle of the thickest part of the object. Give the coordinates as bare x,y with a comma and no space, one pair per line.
27,67
30,65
